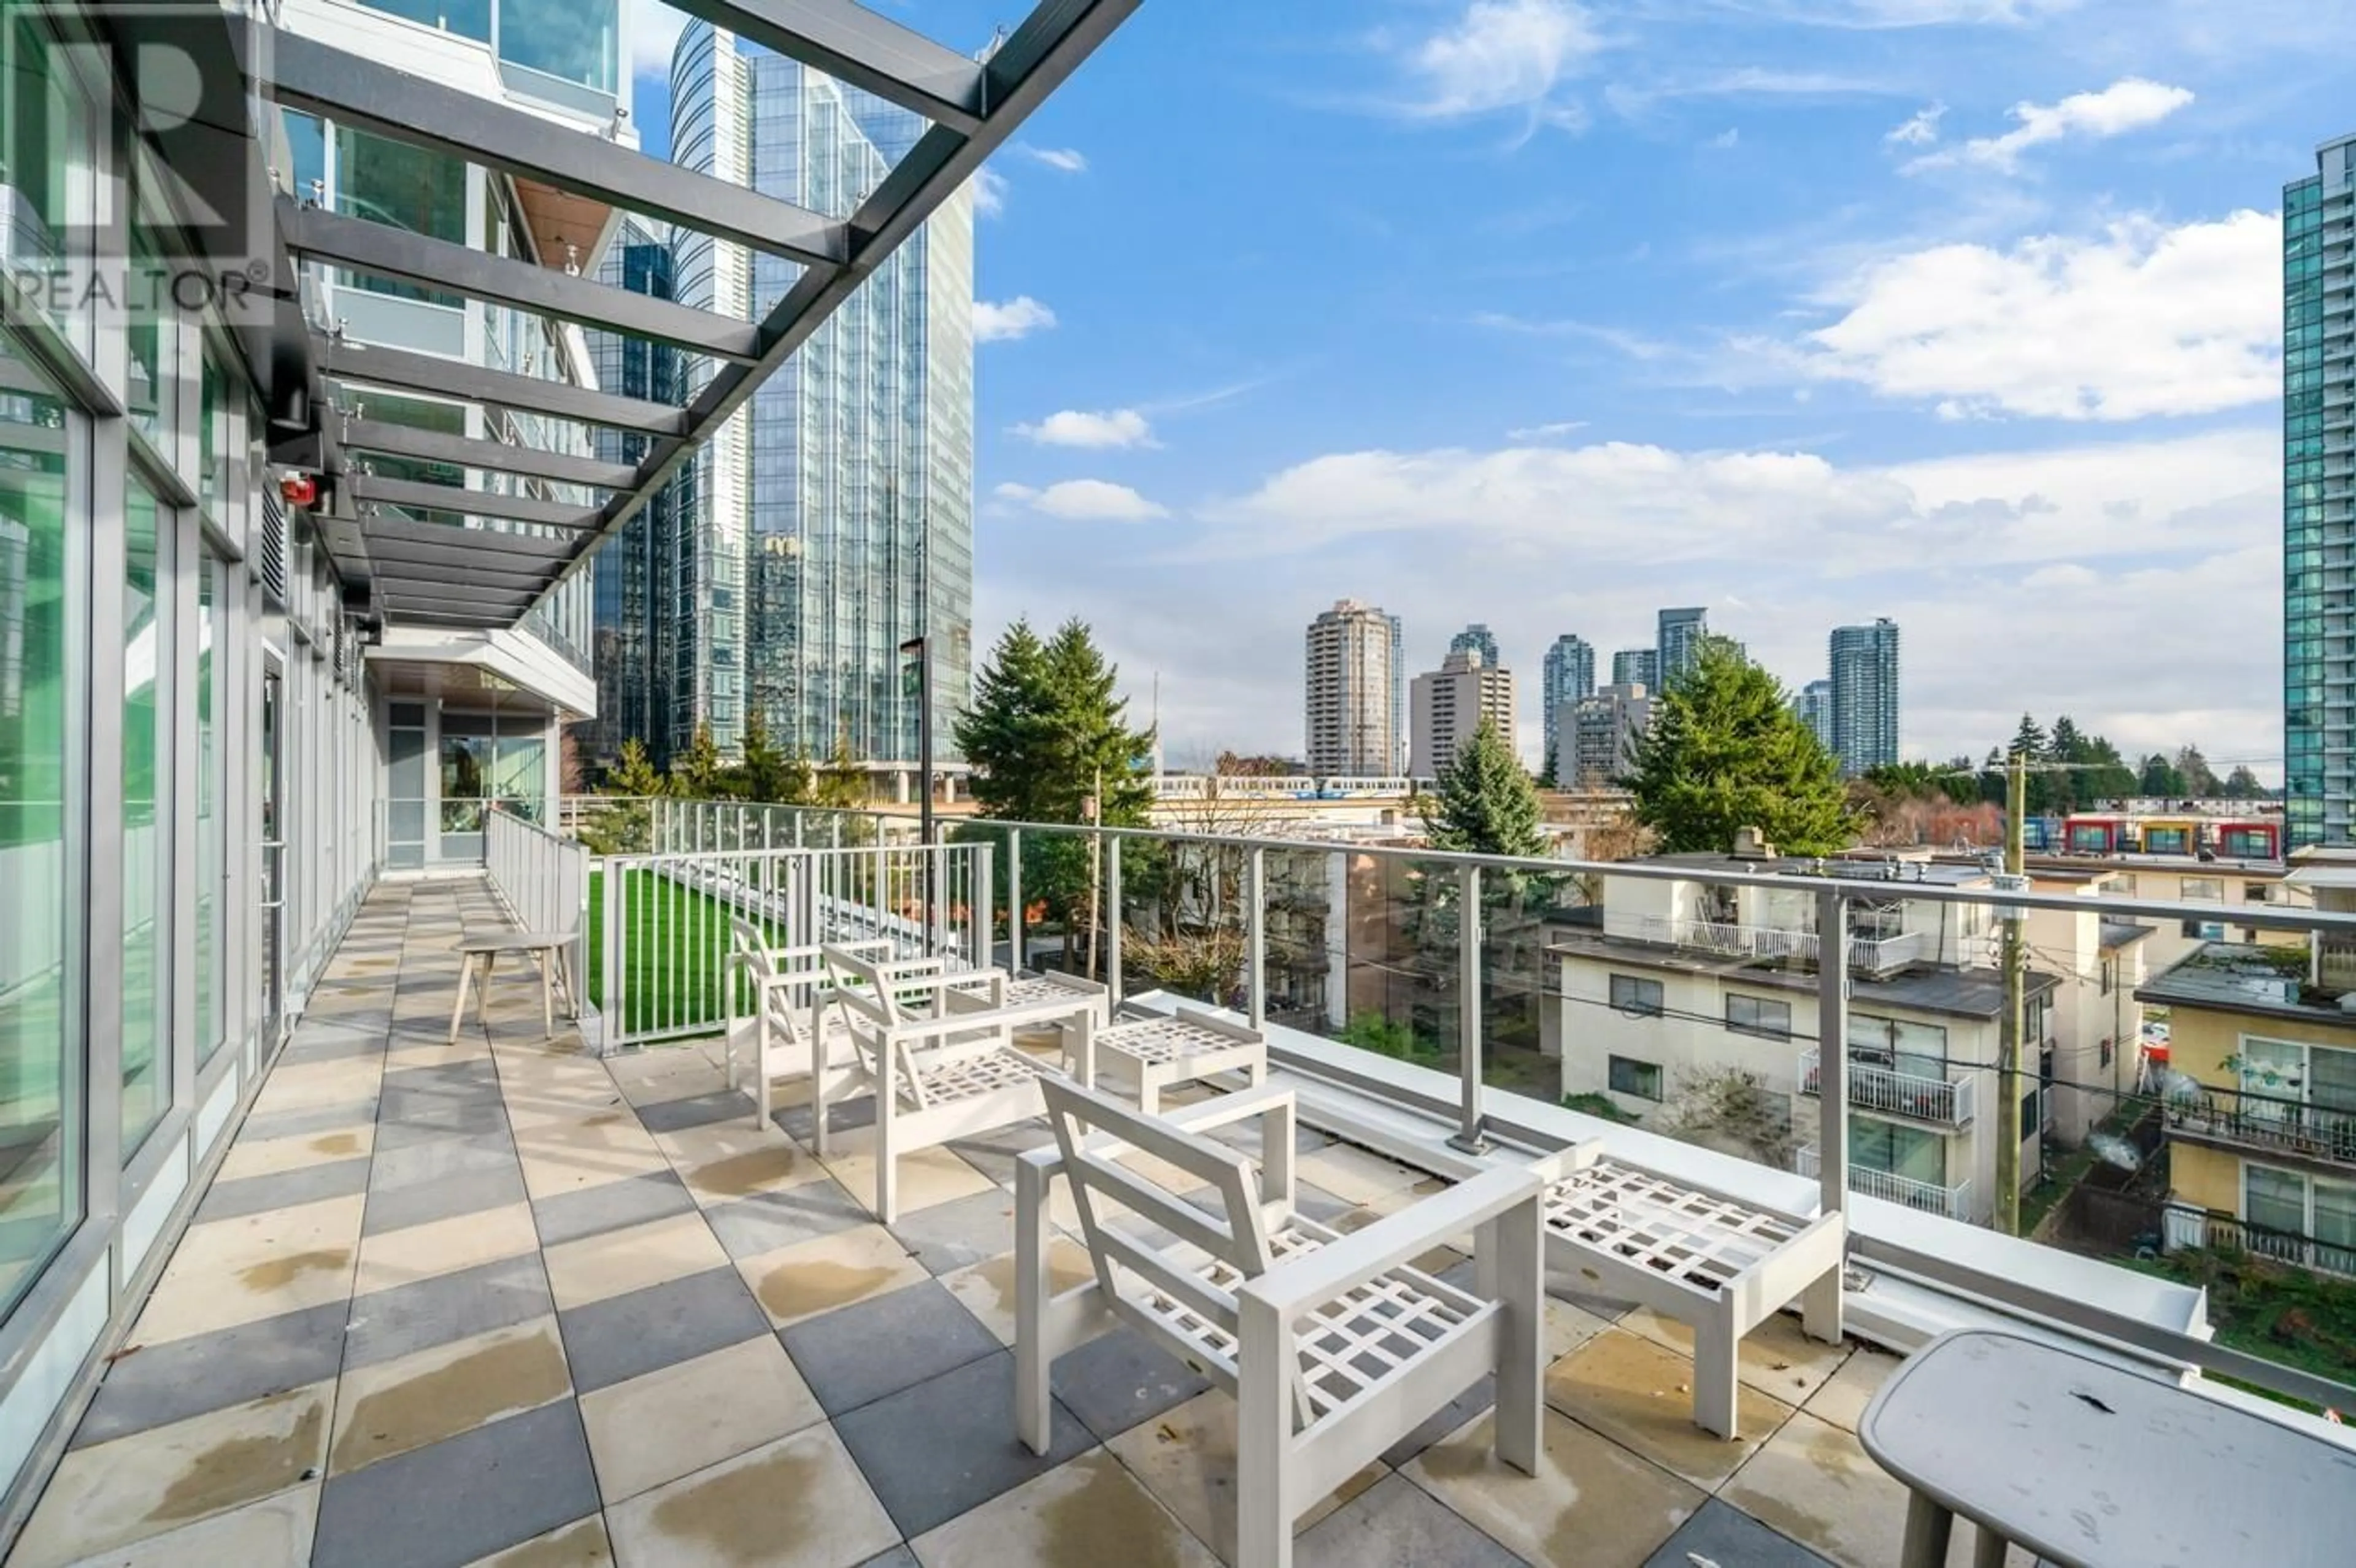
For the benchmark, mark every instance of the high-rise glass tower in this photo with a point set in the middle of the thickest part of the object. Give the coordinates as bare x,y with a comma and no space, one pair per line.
643,659
1813,704
1677,647
1637,666
1568,676
1477,638
1353,720
1865,694
834,517
2318,501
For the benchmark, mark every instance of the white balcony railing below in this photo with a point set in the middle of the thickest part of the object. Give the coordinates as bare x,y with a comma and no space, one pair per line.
1866,954
1873,1088
1954,1202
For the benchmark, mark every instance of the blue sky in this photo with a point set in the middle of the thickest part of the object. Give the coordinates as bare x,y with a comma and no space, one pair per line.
1547,314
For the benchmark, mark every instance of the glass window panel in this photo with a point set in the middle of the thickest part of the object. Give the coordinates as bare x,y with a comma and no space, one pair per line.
1630,1076
212,821
41,1123
46,139
2274,1199
469,18
408,188
2335,1220
145,977
575,40
1636,997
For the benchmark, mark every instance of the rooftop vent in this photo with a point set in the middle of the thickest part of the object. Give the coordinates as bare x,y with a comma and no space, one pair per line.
1751,844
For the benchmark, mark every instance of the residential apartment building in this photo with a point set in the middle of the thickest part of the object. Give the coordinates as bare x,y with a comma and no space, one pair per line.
834,519
1352,687
1865,696
1676,978
2262,1121
1600,734
1813,705
1452,701
1637,666
1677,644
1478,639
2319,366
1569,677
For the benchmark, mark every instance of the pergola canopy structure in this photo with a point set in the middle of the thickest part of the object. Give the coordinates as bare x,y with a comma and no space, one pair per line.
522,543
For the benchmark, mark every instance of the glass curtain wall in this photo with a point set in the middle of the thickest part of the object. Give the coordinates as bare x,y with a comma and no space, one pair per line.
144,844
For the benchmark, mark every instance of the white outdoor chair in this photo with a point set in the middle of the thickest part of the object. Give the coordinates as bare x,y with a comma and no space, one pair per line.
938,1074
1719,1264
781,1035
1332,1346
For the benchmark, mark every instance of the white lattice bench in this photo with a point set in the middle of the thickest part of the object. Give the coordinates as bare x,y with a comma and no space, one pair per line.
1146,1056
1067,1003
1718,1265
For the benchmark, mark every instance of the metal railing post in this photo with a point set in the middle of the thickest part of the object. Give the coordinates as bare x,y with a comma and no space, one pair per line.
609,1000
979,915
1112,917
1256,937
1016,958
1821,1305
1470,1138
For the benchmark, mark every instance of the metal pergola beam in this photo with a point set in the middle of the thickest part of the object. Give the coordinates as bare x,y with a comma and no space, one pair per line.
1052,43
368,489
466,452
349,89
852,43
385,251
384,531
404,370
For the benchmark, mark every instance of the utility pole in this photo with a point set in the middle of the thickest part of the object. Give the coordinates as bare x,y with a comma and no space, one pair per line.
2016,976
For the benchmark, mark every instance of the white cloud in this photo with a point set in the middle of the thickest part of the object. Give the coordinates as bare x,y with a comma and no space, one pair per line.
654,33
1726,139
2057,581
1064,160
2129,104
2139,320
989,192
1879,13
1071,427
1552,431
1919,130
1084,500
1018,317
1502,53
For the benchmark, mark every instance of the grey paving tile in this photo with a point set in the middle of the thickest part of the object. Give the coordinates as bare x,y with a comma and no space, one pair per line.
317,1040
461,1499
947,1445
883,1345
898,1557
413,1118
428,1159
695,1111
1397,1524
389,1323
643,1331
316,1119
1725,1535
282,1189
960,1232
153,1384
768,1221
800,1121
609,1206
1318,1204
1114,1382
993,1153
444,1196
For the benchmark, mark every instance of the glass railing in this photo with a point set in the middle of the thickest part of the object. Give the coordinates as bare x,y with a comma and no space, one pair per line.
1523,1001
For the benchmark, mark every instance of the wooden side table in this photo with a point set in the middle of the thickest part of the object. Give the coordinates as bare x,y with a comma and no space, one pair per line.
552,949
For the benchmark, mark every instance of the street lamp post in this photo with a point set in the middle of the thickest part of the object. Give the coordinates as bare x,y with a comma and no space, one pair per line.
920,649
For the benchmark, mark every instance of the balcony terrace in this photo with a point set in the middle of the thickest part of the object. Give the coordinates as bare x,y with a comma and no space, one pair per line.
1948,1102
448,1301
1876,956
1929,1196
2268,1125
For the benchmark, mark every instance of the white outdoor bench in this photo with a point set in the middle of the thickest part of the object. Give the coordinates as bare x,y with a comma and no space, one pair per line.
1718,1265
1146,1056
1332,1345
1048,1000
937,1072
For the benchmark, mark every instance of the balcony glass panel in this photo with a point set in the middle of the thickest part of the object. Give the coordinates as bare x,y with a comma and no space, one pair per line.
467,19
573,40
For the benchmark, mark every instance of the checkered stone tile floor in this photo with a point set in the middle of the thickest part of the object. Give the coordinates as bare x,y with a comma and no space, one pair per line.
496,1302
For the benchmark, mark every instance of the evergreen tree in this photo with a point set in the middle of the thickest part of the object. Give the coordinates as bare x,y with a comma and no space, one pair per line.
1726,752
635,775
696,772
1483,802
2199,781
2029,739
625,825
2243,784
2159,778
843,783
1005,734
766,773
